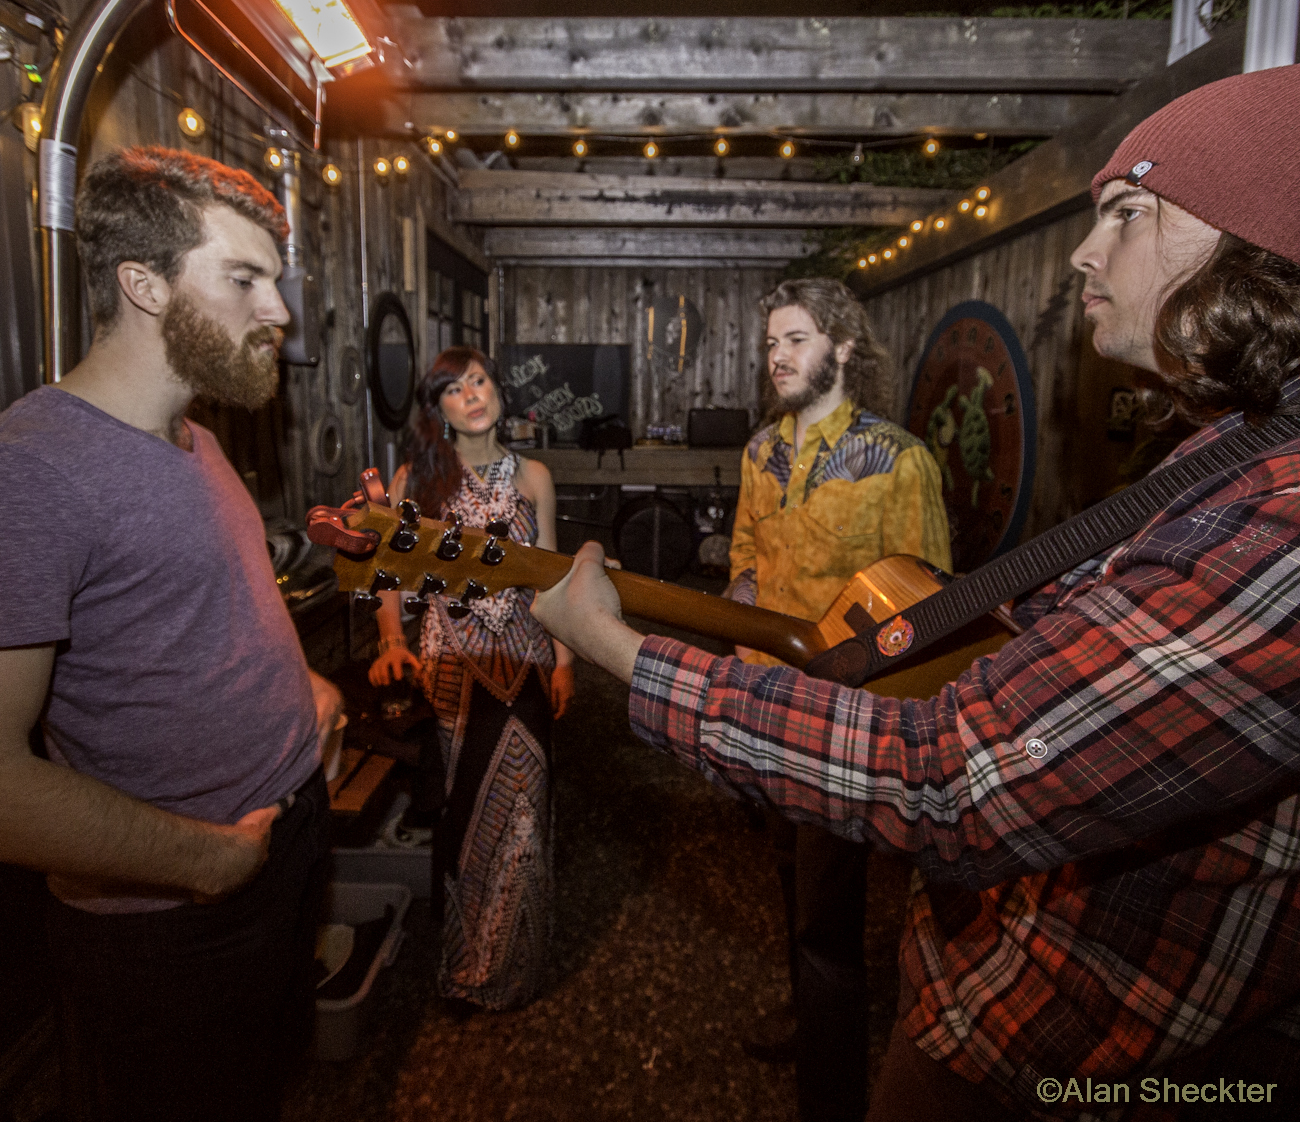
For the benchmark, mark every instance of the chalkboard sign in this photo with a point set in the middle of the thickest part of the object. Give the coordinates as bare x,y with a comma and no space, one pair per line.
563,384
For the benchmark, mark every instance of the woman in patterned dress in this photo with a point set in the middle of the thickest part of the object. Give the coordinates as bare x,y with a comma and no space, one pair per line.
495,680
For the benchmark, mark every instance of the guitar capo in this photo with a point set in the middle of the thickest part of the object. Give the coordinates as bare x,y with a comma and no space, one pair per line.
326,525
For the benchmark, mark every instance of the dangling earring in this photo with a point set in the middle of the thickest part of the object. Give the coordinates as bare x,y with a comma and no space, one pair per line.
446,430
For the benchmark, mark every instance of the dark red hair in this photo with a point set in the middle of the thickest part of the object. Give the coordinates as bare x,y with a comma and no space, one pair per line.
436,470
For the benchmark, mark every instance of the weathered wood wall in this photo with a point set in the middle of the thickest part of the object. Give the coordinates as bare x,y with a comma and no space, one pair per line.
608,305
1030,280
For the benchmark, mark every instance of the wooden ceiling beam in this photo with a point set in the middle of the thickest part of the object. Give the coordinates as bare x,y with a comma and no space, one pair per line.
718,248
740,114
852,54
537,198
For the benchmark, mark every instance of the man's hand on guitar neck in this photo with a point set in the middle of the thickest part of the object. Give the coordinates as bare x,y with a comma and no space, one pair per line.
583,612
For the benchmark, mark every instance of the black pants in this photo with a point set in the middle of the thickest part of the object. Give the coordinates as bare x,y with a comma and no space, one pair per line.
197,1012
826,913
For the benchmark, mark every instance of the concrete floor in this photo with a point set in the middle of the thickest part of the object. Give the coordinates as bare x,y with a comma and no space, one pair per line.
669,948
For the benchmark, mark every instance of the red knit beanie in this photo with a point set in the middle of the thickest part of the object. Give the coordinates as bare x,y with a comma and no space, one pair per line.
1229,153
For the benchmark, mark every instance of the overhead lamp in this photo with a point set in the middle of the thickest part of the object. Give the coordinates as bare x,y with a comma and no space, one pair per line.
981,211
433,145
651,150
917,226
191,124
512,139
330,29
721,146
931,147
331,174
273,158
902,243
982,193
401,165
940,223
857,156
452,136
28,118
382,168
871,258
786,149
964,205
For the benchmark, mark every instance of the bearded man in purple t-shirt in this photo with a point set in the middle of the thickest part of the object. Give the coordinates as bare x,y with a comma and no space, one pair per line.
181,815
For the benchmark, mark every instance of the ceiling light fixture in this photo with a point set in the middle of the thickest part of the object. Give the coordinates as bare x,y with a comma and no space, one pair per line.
330,28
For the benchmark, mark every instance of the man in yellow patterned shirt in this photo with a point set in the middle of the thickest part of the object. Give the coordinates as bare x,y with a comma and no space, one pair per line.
826,488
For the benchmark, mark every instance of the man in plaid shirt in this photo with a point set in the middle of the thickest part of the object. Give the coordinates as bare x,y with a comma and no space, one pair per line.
1104,815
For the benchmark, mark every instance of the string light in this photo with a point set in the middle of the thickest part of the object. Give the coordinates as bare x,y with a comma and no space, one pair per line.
871,258
651,150
273,158
30,117
786,149
982,194
721,147
902,243
191,124
862,262
917,226
857,156
382,168
512,139
452,136
401,165
888,254
433,145
981,211
580,148
331,174
964,205
940,223
931,147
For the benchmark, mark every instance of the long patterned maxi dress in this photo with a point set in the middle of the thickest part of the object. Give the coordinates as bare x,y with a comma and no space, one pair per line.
487,677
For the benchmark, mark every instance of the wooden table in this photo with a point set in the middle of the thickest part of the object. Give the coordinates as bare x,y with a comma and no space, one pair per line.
666,465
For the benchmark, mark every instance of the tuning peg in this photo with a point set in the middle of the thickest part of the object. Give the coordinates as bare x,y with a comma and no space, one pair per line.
492,553
415,605
498,528
384,582
473,591
431,586
450,546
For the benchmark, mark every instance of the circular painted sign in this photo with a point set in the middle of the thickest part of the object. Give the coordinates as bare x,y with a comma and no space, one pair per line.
973,405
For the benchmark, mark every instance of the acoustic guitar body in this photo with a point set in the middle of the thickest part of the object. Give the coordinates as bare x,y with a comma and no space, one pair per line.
878,593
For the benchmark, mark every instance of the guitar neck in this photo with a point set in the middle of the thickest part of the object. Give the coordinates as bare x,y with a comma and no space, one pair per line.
790,639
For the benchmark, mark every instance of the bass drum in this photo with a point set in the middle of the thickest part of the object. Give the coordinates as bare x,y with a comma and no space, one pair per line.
653,537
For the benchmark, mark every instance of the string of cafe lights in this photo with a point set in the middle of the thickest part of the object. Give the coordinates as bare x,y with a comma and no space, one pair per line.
977,205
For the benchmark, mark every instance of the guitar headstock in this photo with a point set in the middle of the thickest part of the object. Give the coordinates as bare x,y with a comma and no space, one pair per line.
430,558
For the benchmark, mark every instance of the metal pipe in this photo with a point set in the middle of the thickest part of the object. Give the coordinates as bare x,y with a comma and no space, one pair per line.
90,39
365,300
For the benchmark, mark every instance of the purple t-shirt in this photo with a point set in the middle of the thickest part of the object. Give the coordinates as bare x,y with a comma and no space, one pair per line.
179,678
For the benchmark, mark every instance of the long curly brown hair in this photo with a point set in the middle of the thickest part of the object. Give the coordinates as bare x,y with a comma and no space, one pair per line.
435,468
1228,337
837,313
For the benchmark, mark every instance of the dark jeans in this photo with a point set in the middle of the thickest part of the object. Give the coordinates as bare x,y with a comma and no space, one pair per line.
197,1012
829,976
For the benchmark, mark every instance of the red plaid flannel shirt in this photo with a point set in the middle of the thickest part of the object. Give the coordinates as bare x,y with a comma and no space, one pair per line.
1103,813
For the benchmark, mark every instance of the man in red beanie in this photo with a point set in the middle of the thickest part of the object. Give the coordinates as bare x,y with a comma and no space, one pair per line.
1105,813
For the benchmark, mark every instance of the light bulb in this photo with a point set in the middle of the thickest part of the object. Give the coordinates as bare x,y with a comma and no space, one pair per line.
871,258
931,147
651,150
512,139
331,174
917,226
721,147
273,158
786,149
433,145
862,262
192,125
452,136
964,205
981,211
580,148
940,223
902,243
382,168
401,165
857,156
982,193
888,254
